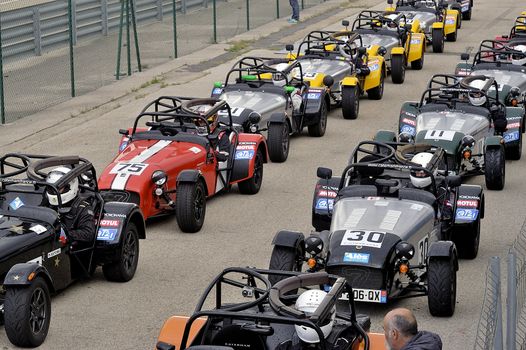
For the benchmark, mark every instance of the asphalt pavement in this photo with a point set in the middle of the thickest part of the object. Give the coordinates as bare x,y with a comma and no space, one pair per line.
174,267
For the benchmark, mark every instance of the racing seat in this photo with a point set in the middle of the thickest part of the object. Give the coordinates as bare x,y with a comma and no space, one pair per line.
358,191
418,195
238,338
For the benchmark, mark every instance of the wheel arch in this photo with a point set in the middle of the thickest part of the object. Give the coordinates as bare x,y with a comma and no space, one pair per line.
443,250
24,274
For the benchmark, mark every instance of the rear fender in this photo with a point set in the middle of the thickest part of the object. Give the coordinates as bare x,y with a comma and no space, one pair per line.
312,99
450,21
289,239
469,204
116,217
245,156
19,274
443,250
514,117
325,193
376,69
173,329
416,46
407,119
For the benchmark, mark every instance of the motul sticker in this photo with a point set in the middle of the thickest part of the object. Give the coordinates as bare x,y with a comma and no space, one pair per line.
514,125
467,203
409,121
328,194
110,223
246,147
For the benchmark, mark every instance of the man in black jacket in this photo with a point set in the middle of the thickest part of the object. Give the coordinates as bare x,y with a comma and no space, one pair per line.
401,332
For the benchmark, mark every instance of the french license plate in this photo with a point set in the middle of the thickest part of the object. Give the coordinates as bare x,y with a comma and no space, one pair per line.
367,295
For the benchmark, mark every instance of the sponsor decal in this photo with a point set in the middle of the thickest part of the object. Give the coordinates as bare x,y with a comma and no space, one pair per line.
35,260
371,239
463,196
217,91
409,121
511,136
360,258
324,204
466,214
472,203
244,154
309,75
328,194
38,229
194,149
411,130
53,253
115,215
410,114
16,203
373,67
313,96
514,125
415,41
367,295
246,147
450,20
465,8
106,234
110,223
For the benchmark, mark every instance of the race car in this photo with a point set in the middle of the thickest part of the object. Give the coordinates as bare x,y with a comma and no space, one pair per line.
178,153
387,235
474,128
436,21
275,89
507,65
390,38
292,314
337,61
517,32
464,7
38,255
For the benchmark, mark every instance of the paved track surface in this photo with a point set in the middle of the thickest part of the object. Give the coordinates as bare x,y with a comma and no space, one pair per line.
175,267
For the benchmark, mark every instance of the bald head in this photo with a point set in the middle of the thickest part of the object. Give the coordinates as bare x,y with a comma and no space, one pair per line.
399,327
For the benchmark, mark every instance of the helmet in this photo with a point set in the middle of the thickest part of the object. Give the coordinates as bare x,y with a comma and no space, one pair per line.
279,79
213,120
519,59
477,98
68,193
391,25
420,178
308,302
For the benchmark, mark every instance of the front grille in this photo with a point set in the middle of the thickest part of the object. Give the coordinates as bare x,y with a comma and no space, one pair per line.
121,196
359,276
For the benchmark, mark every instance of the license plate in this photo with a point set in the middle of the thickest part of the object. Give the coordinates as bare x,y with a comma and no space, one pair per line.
367,295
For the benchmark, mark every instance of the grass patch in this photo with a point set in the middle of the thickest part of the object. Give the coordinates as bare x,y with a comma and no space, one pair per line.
239,45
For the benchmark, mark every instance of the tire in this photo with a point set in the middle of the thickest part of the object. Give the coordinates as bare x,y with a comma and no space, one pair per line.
283,259
515,152
419,64
437,39
452,36
467,240
124,268
27,313
278,142
467,15
377,93
441,287
495,168
190,206
318,129
252,185
350,102
459,20
397,69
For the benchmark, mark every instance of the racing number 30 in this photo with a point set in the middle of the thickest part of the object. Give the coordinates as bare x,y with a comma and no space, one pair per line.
363,238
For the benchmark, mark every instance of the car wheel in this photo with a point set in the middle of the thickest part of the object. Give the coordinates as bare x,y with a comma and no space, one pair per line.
350,102
124,268
252,185
377,93
495,168
452,36
467,15
514,151
190,206
283,259
467,239
437,39
27,313
419,64
278,142
441,287
318,129
398,69
459,20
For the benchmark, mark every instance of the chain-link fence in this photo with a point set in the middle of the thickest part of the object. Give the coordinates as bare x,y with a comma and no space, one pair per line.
490,322
53,50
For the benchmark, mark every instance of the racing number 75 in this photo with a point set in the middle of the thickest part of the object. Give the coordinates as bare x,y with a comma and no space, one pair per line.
131,167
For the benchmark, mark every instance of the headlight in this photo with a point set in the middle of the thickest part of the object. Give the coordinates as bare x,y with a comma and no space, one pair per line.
404,250
159,177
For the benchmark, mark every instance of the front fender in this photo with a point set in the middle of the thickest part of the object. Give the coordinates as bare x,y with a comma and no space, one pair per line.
385,136
437,25
443,250
494,142
350,81
24,273
463,69
397,51
290,239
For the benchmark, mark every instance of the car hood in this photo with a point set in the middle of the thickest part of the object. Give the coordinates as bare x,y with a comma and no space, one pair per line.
386,41
505,77
311,66
262,102
17,233
132,169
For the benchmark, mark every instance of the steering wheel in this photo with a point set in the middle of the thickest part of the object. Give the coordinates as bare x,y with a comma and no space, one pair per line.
34,169
383,152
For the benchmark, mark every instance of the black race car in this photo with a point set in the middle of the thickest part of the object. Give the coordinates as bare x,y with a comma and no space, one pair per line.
388,238
264,317
37,257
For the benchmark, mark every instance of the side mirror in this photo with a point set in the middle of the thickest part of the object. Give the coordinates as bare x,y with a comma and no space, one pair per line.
324,173
328,80
464,56
382,51
345,23
289,47
254,118
454,180
124,132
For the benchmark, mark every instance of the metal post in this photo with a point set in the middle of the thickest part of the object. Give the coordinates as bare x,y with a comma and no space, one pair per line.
497,344
174,27
135,36
71,57
302,4
511,303
128,48
159,10
277,8
37,35
118,73
248,15
104,16
74,21
2,104
214,20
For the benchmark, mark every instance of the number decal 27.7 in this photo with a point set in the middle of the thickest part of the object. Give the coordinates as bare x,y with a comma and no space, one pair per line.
372,239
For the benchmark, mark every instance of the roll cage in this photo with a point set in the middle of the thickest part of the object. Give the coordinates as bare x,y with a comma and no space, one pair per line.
318,44
430,6
519,28
497,53
254,70
272,296
375,21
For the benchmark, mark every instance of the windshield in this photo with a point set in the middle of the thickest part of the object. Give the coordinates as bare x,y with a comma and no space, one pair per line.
457,121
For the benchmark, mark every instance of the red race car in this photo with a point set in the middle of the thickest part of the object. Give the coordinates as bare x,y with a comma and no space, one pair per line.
517,33
178,153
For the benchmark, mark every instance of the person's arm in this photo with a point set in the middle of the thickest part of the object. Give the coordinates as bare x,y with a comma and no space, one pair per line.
84,225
